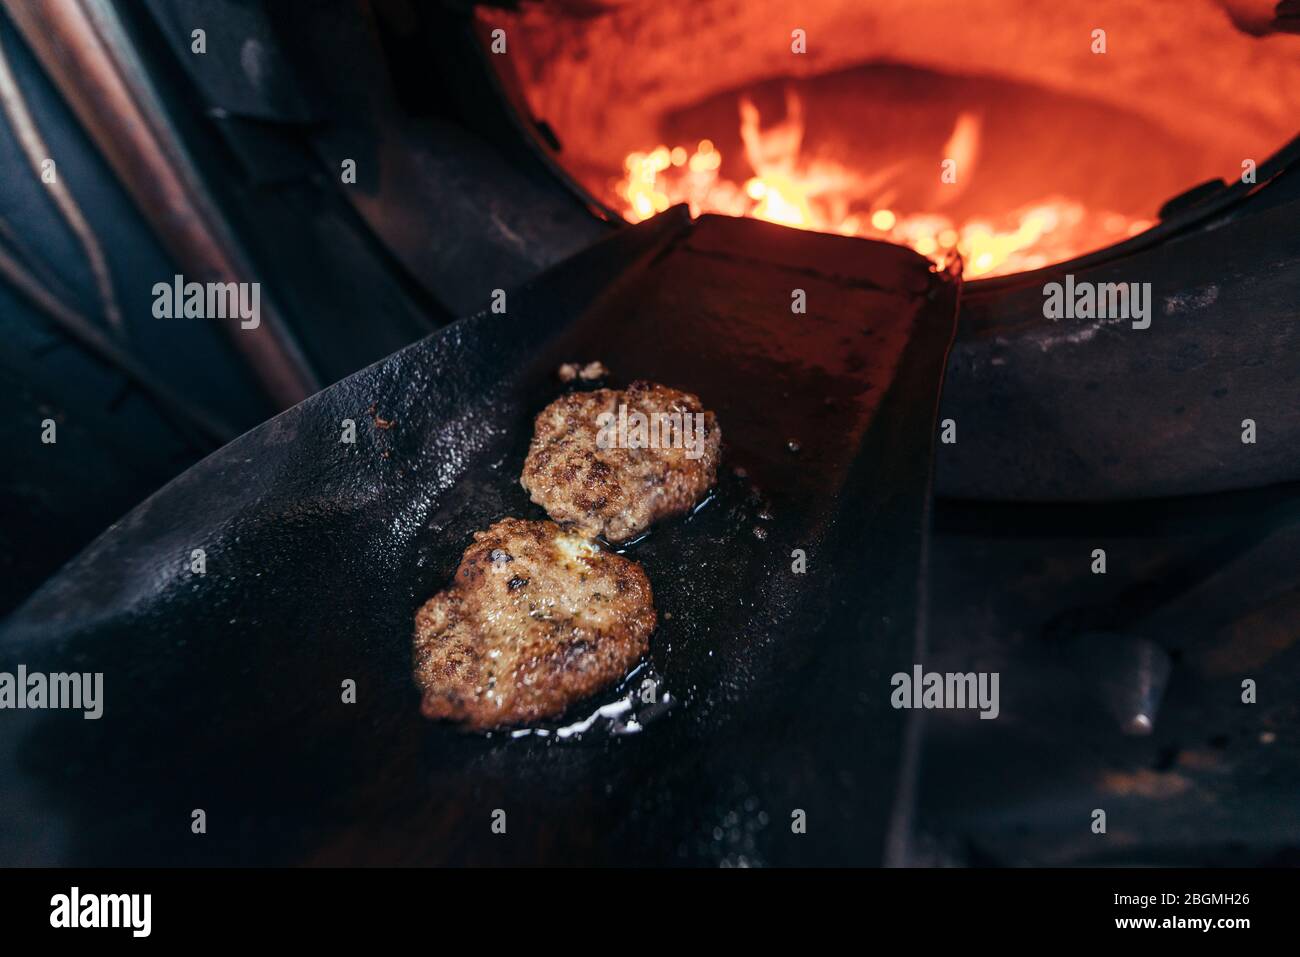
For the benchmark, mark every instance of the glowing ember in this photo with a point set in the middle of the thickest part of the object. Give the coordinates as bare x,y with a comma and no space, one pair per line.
809,193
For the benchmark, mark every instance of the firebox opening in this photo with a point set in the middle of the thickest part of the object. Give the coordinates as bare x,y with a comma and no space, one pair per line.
916,157
1014,163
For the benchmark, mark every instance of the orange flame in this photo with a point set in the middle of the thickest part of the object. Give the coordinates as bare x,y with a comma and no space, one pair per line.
793,190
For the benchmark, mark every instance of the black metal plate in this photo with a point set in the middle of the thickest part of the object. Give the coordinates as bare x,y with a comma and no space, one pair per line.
223,691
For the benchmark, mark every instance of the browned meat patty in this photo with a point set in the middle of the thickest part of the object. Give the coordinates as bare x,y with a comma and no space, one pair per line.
535,620
619,491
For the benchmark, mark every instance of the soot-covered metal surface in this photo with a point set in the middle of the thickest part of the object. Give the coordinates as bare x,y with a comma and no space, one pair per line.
223,691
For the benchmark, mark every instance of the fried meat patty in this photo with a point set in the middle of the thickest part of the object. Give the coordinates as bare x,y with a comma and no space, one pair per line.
619,491
535,620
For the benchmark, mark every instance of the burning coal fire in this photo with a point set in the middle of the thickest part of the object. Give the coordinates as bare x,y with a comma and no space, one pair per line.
807,192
